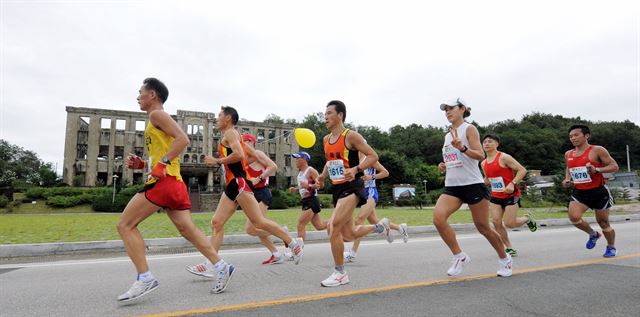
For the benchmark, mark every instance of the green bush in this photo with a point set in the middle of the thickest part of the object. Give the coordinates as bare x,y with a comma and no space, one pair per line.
278,202
432,196
103,202
131,190
63,201
4,201
78,180
36,193
326,200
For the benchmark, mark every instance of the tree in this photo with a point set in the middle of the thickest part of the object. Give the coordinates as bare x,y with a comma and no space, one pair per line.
273,118
19,165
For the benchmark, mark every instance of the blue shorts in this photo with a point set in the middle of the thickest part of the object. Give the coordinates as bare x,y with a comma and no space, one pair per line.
371,192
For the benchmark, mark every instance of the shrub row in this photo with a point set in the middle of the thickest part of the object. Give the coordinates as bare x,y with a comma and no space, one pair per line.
44,193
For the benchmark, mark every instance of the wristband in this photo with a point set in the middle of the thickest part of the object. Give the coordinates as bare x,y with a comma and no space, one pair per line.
464,148
165,160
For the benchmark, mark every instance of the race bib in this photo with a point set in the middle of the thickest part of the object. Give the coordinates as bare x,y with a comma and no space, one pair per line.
452,157
579,175
497,184
336,170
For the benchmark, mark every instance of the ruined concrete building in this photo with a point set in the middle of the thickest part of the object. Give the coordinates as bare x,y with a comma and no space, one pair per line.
98,140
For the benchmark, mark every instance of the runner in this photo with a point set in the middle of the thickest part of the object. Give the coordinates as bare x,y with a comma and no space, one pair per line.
165,142
259,168
368,210
585,165
309,195
498,170
344,168
464,184
237,192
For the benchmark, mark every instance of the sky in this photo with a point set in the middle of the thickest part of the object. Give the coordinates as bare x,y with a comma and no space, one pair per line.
391,62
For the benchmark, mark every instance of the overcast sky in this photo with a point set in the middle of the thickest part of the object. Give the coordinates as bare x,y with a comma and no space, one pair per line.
391,62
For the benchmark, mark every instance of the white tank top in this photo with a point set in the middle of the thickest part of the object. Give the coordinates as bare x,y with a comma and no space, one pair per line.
302,177
461,169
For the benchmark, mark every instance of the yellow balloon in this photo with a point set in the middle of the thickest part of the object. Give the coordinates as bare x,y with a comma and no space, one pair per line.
305,137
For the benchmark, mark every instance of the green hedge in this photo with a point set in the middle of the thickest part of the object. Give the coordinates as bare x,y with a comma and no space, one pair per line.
4,201
44,193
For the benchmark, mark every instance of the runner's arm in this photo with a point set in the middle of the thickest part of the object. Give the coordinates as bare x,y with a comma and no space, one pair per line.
511,163
271,166
381,172
609,165
232,138
475,148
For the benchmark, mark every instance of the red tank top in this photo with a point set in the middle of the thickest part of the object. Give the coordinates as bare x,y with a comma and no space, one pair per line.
233,170
339,158
499,177
577,166
254,174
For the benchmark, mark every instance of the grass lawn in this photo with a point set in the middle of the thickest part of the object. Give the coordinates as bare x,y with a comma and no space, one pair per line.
41,228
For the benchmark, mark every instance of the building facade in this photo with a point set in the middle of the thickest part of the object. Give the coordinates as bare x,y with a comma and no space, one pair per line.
98,141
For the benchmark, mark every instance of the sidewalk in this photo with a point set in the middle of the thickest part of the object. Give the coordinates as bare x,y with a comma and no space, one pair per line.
44,249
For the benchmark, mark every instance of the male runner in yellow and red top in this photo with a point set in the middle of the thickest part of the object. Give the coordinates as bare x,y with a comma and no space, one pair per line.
344,168
165,142
585,165
499,168
237,192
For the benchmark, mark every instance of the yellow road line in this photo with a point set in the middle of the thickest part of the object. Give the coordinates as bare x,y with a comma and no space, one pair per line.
317,297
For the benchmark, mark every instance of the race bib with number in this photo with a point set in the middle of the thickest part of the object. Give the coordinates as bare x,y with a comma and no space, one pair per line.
336,170
497,184
452,157
579,175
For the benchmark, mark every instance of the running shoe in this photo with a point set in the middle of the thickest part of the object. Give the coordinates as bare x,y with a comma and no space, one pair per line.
531,223
404,231
139,289
349,256
336,279
288,255
505,268
273,260
297,248
593,238
387,229
203,269
511,252
610,252
223,277
458,263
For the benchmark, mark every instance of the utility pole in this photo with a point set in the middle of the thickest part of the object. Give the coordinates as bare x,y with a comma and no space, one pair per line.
628,161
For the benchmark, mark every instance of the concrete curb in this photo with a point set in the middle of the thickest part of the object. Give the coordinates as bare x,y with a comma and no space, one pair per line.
43,249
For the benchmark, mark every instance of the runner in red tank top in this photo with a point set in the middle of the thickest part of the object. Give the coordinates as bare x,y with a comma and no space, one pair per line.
498,170
585,165
259,168
237,193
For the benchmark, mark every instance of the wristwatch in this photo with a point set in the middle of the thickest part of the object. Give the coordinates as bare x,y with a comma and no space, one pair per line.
597,169
165,160
464,148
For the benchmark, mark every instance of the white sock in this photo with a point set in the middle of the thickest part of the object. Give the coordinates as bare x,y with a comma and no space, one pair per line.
459,255
220,265
145,277
505,260
276,254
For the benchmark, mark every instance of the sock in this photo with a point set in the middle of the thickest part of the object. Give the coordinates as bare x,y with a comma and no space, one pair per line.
594,234
277,254
459,255
378,228
220,265
339,268
505,260
145,277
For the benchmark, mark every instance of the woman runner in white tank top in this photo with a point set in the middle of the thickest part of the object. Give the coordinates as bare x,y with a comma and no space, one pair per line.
461,153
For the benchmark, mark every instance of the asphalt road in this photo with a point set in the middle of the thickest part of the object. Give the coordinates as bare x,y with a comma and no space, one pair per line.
554,276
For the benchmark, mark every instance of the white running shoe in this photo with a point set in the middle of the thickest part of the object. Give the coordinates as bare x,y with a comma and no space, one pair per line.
297,248
288,255
223,277
203,269
404,231
505,268
349,256
139,289
387,229
336,279
458,263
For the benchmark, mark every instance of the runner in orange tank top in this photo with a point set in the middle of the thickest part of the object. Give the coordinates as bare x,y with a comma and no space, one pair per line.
237,192
344,168
498,170
585,165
